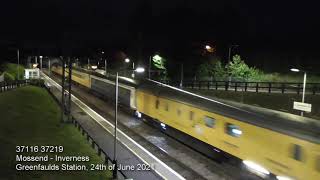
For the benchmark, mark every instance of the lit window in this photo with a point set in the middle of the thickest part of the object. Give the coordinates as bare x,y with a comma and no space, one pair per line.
210,122
191,115
233,130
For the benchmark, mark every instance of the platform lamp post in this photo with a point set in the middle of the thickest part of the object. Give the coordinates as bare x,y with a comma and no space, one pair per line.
41,62
18,57
127,60
49,66
229,56
105,66
304,83
114,162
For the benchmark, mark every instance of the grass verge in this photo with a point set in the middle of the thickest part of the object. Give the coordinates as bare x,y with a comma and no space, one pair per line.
30,116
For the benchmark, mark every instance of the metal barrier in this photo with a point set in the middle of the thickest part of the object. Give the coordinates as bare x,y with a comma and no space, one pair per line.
6,86
94,145
266,87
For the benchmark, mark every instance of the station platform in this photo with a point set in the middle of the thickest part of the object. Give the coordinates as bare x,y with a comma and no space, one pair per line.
128,151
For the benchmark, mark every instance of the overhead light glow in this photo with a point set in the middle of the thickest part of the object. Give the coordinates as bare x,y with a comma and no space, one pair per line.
294,70
138,114
40,56
127,60
216,150
283,178
256,167
208,47
140,70
163,126
94,67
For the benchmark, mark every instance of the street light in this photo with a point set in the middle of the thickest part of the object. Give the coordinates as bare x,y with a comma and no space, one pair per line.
18,57
94,67
230,49
229,57
41,62
140,70
304,83
294,70
127,60
105,66
114,162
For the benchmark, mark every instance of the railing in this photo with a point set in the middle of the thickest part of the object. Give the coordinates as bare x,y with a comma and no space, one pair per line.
6,86
267,87
101,153
95,146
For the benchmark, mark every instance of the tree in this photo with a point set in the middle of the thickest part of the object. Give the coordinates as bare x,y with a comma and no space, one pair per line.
239,70
213,68
219,71
160,64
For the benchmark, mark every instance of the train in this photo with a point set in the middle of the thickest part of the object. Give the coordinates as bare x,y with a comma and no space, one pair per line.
271,144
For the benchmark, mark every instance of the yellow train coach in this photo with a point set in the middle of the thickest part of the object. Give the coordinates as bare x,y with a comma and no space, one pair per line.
269,143
77,76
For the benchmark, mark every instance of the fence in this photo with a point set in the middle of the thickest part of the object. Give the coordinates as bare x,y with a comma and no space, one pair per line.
94,145
267,87
5,86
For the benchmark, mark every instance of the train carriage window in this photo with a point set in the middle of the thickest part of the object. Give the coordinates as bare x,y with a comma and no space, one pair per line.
318,164
191,115
297,152
233,130
157,104
178,112
209,121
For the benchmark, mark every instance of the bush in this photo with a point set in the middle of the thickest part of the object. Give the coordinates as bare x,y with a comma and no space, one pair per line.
8,77
13,69
37,82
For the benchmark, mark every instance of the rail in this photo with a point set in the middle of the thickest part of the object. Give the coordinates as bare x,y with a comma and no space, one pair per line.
90,140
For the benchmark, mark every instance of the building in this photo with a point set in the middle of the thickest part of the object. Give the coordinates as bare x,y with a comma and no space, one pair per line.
32,73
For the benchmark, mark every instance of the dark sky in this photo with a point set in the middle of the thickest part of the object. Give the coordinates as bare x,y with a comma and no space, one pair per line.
171,26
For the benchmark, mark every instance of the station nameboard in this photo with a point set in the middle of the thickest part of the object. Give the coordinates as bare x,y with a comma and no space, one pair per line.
302,106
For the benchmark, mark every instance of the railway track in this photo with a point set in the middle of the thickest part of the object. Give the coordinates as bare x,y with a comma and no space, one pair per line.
185,160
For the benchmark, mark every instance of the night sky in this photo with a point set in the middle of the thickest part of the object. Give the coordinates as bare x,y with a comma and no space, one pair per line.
266,31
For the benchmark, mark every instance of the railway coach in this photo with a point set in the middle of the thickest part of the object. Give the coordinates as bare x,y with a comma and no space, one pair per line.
267,142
